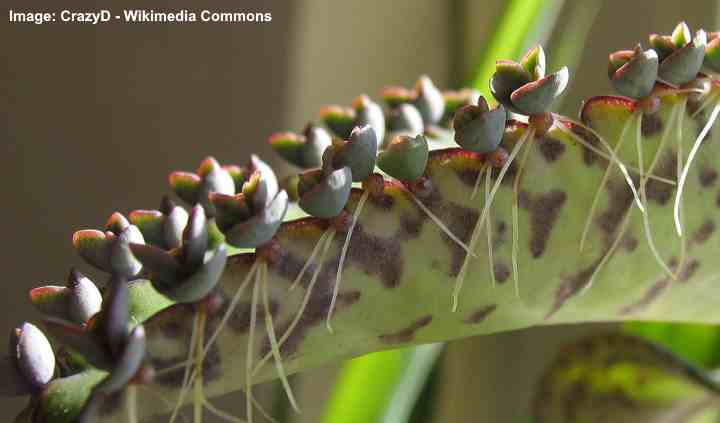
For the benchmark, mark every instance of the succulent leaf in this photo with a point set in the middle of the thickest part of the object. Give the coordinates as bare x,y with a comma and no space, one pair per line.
405,157
359,153
633,73
479,129
405,119
34,356
325,195
428,100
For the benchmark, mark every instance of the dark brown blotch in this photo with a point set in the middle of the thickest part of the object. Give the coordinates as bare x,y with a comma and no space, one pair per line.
708,176
704,233
651,124
406,335
658,191
589,156
544,212
550,148
502,272
619,202
480,314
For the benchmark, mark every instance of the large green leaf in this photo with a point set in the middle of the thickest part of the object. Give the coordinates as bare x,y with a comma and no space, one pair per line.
619,378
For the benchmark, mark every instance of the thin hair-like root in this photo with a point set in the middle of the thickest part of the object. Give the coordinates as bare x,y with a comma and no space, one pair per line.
643,193
221,414
703,106
612,157
231,307
485,168
516,215
343,255
184,387
680,156
603,181
249,352
440,224
488,228
310,260
198,393
621,233
686,169
270,328
460,280
131,404
305,301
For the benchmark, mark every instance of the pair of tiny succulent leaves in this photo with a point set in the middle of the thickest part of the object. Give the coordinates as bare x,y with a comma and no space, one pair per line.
673,59
522,88
348,151
75,315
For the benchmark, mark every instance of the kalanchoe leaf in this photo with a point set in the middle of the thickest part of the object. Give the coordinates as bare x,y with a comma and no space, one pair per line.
454,100
80,339
195,286
662,44
405,119
116,316
230,209
173,226
64,399
210,177
51,300
260,228
94,247
428,100
405,157
127,364
117,223
633,73
33,354
340,120
304,151
681,35
683,65
359,153
195,238
534,62
367,112
479,129
395,96
150,223
161,264
290,184
85,299
537,96
237,173
122,261
507,78
712,52
324,195
163,227
267,184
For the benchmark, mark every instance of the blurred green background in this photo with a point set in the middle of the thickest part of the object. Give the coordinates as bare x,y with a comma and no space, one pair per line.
96,117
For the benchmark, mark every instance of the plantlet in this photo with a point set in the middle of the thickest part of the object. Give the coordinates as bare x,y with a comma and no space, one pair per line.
198,302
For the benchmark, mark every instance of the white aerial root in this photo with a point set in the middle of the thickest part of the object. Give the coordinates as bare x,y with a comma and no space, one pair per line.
686,169
131,403
440,224
613,157
343,254
460,280
620,234
315,251
231,307
679,159
643,193
269,326
188,366
306,299
598,192
249,352
516,216
488,228
476,188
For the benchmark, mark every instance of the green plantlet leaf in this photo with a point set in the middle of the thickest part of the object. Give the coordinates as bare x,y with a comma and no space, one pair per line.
681,35
186,185
144,301
712,52
534,62
508,77
259,229
237,173
395,96
150,223
537,96
454,100
622,378
51,300
302,150
322,195
405,119
405,157
663,45
94,247
633,73
63,399
428,100
127,364
479,129
367,112
33,354
359,153
683,65
340,120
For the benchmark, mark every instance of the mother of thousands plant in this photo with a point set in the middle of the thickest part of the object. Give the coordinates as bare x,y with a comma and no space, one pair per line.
385,245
